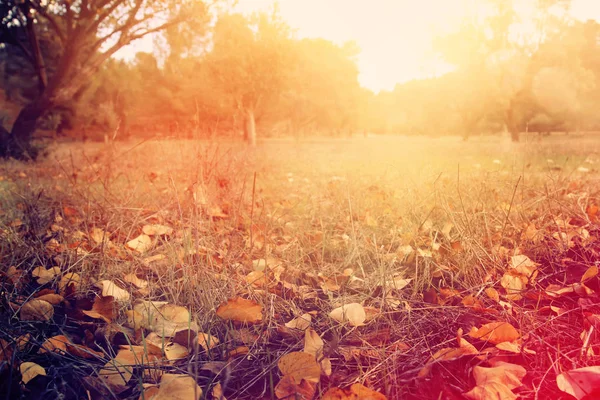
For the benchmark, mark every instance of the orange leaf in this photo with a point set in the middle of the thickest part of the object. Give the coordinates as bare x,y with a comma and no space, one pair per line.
300,366
287,388
355,392
104,308
55,344
495,332
241,310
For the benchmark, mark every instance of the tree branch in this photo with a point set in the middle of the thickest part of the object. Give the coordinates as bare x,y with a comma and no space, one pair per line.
55,27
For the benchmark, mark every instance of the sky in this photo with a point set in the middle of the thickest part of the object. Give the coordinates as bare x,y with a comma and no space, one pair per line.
395,36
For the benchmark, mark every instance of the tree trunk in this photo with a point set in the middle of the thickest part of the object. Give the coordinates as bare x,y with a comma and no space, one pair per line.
18,143
250,128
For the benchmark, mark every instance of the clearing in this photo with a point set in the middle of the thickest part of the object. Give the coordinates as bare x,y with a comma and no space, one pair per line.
462,269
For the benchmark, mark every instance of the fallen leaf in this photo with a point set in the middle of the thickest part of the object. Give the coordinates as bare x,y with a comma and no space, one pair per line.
590,273
157,230
492,294
55,344
30,370
100,236
580,382
353,313
177,387
302,323
52,298
207,341
36,310
141,244
313,344
109,288
217,392
300,365
175,351
104,308
69,279
496,382
43,275
495,332
256,279
354,392
287,388
135,281
241,310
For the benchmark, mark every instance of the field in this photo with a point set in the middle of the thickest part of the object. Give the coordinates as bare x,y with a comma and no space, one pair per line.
451,261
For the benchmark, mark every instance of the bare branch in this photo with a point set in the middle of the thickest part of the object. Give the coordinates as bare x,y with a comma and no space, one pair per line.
55,27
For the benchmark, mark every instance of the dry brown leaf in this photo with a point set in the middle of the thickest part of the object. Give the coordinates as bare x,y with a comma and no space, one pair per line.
55,344
241,310
109,288
36,310
52,298
69,279
288,389
353,313
83,352
43,275
238,351
492,294
217,392
104,308
157,230
135,281
99,236
300,366
207,341
313,344
448,354
22,342
580,383
30,370
177,387
354,392
117,372
302,323
141,244
514,285
256,279
495,332
175,351
496,382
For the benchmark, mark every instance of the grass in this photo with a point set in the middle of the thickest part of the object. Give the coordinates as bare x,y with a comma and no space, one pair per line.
316,208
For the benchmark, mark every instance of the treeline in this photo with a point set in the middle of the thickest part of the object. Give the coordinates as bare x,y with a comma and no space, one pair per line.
250,76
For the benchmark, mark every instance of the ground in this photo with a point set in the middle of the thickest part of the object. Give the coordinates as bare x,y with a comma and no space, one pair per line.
448,258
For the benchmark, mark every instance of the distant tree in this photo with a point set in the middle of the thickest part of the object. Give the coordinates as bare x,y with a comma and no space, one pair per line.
249,62
89,32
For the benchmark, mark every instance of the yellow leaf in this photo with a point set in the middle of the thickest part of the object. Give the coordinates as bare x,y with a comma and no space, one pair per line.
492,294
69,279
354,314
241,310
300,366
495,332
30,370
355,392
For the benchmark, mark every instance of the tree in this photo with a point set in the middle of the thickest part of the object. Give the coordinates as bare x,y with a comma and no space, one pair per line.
89,32
248,63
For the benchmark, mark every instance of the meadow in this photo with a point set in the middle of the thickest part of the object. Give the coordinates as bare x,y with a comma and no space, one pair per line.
445,260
